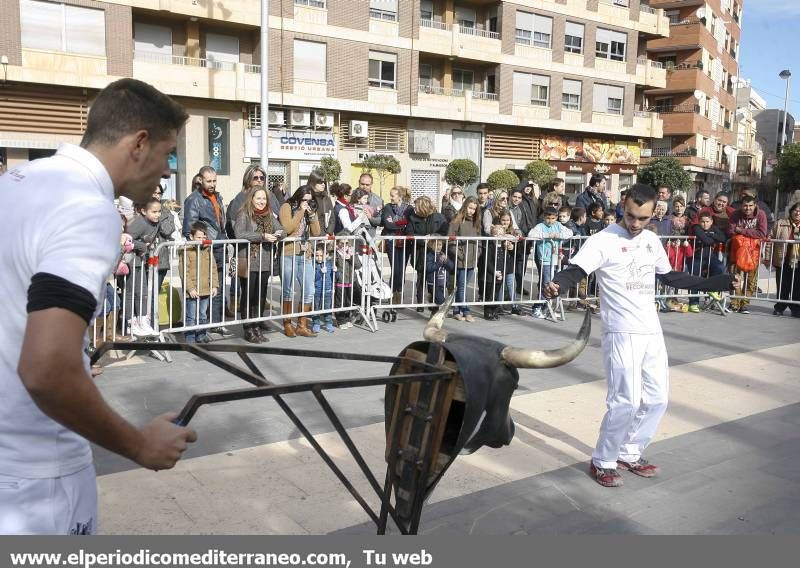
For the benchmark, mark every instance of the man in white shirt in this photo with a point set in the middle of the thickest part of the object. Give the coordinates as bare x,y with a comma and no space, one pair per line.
627,260
60,242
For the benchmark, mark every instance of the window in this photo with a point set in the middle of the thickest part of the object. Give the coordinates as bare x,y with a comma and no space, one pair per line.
668,61
382,69
222,51
462,79
383,10
573,38
426,74
312,3
674,16
571,95
608,99
148,38
426,10
533,29
465,17
58,27
310,58
610,45
531,89
664,104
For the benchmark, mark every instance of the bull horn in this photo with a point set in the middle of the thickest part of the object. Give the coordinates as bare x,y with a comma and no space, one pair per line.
433,331
536,359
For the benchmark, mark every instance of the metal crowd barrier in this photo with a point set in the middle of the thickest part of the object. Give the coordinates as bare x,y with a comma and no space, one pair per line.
381,277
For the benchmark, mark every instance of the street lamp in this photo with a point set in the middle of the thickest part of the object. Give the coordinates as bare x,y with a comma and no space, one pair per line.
265,89
786,75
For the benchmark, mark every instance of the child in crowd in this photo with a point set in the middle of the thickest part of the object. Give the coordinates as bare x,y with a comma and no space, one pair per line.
547,256
324,277
609,218
565,215
199,271
345,272
704,261
594,221
499,271
439,270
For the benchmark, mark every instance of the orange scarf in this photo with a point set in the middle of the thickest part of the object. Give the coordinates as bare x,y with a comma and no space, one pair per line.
213,198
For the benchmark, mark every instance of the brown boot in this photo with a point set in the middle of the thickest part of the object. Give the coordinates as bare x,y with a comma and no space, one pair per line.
287,322
303,328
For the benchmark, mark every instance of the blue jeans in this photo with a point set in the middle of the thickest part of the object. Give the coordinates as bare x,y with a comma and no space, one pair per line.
463,275
194,318
696,265
298,269
510,286
545,276
323,301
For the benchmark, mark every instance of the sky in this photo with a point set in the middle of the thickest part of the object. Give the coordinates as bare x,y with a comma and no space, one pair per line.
771,43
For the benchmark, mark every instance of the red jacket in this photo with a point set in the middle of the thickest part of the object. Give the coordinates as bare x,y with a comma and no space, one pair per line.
754,227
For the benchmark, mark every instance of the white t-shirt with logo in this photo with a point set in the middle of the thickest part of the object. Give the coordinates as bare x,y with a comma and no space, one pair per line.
626,268
58,218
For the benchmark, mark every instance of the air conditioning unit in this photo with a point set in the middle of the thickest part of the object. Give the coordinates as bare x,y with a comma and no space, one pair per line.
421,141
276,118
300,118
323,119
359,129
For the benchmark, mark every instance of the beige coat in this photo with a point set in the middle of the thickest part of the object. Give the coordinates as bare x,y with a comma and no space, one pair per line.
291,224
782,231
208,270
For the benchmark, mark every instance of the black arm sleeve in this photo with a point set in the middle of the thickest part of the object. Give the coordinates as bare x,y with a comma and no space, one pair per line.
685,281
570,276
50,291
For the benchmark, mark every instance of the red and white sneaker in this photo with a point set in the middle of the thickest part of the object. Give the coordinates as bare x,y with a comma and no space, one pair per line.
605,477
640,467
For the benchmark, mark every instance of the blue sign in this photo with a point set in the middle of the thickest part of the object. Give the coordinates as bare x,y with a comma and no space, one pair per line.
219,145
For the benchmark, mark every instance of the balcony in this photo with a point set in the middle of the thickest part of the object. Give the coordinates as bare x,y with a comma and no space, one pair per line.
687,78
687,156
685,34
648,124
196,77
686,123
56,68
457,104
651,73
453,40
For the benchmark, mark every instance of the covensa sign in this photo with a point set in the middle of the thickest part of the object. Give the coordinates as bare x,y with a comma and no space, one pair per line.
292,144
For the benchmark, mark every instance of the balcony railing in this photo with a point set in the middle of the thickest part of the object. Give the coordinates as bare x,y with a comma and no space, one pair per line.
165,59
248,68
641,60
449,92
435,25
646,8
643,113
671,153
617,3
675,109
479,33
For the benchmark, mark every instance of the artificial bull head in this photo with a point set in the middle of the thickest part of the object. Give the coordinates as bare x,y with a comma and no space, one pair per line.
475,411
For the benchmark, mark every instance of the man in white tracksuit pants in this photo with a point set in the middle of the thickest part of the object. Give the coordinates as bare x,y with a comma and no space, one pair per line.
626,260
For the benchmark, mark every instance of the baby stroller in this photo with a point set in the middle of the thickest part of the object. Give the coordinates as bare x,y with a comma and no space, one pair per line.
370,280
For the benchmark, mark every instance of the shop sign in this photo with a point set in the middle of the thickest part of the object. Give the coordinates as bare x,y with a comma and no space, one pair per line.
299,145
601,151
590,168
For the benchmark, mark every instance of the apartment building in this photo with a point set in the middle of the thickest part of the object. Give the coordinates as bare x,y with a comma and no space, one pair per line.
698,105
750,143
501,83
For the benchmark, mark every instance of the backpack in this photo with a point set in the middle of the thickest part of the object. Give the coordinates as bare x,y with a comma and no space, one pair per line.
745,252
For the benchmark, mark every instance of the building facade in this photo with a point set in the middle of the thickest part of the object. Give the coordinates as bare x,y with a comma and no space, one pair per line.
698,105
501,83
750,143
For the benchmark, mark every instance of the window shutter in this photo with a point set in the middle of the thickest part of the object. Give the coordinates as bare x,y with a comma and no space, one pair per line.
222,48
42,24
603,36
617,36
383,56
600,98
385,5
574,29
152,39
524,21
572,87
543,24
522,88
310,60
85,30
615,92
542,80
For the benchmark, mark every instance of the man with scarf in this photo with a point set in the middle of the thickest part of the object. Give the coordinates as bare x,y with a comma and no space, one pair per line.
206,205
595,193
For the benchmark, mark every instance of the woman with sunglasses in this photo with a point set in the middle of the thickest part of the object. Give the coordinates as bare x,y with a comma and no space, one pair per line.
300,222
453,203
491,216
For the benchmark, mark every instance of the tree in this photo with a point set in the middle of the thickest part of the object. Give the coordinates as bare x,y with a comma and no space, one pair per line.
540,172
503,179
668,172
461,172
382,165
329,169
788,168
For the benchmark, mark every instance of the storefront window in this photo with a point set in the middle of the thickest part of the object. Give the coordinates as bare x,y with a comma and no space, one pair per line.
574,183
